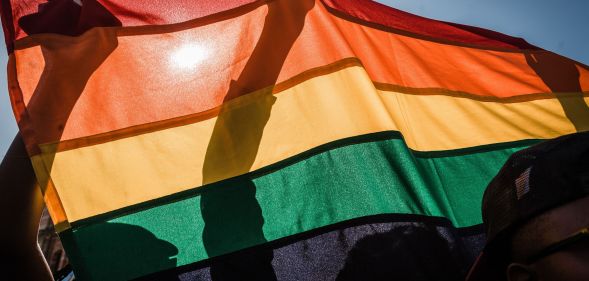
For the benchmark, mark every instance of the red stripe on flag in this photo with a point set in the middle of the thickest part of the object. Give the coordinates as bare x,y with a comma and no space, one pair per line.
382,16
69,18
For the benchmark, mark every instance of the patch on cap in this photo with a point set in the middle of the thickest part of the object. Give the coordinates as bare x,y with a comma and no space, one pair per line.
522,183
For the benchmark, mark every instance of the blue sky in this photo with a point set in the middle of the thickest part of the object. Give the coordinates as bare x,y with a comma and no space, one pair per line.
556,25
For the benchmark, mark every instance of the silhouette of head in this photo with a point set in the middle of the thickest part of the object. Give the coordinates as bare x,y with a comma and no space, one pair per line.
123,251
409,252
535,214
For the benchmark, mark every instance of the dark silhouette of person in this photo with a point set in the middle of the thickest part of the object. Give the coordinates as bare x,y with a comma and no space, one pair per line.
535,215
408,252
235,217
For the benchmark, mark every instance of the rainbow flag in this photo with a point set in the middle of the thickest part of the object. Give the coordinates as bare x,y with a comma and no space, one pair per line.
275,139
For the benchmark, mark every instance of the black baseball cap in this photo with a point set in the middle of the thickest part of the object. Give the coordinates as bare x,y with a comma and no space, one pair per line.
532,181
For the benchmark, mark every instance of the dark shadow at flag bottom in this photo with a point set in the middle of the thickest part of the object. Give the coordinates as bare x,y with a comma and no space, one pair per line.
382,247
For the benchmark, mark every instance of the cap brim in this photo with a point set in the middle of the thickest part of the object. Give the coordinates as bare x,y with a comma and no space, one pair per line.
484,270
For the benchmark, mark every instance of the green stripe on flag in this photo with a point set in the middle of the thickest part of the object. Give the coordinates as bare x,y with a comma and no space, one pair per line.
351,178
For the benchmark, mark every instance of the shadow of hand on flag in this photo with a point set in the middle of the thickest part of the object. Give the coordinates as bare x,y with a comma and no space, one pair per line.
68,64
561,75
125,251
234,145
67,17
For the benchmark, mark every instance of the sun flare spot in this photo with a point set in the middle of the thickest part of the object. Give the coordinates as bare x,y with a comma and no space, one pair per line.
189,56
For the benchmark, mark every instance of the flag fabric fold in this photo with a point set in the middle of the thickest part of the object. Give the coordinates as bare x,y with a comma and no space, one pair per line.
284,139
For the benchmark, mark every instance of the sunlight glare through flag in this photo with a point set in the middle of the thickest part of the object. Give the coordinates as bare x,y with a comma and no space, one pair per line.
189,56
